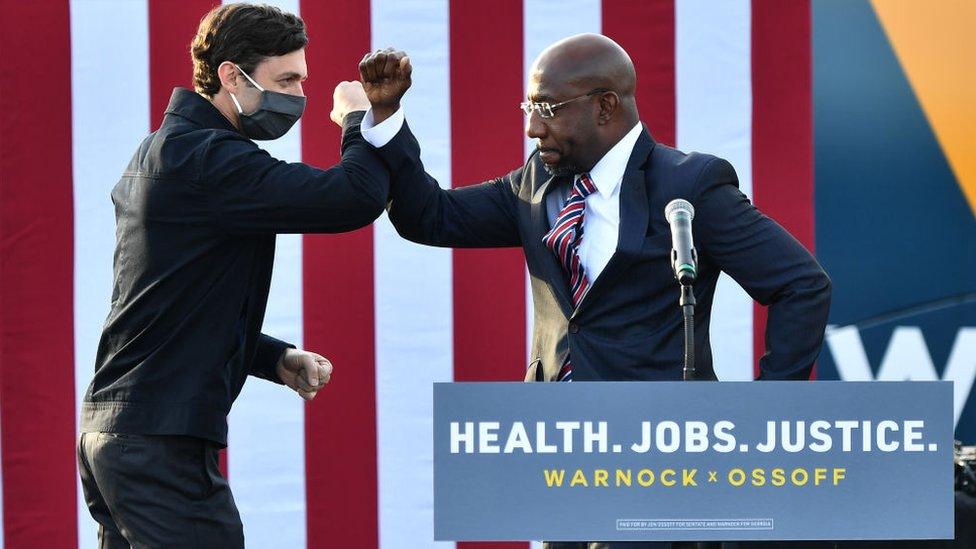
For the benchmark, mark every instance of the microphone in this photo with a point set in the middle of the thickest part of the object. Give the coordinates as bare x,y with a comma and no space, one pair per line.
684,258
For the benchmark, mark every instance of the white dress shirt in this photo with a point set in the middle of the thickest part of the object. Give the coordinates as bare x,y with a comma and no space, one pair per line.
601,220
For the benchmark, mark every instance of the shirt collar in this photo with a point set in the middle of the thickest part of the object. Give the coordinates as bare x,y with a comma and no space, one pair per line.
609,171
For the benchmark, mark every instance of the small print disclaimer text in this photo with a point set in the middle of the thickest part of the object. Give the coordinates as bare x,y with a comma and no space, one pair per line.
694,524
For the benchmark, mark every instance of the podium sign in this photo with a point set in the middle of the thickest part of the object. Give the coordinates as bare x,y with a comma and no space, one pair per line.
705,461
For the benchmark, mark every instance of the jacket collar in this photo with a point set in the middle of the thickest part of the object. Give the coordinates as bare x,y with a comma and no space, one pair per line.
609,170
552,271
634,214
633,226
194,107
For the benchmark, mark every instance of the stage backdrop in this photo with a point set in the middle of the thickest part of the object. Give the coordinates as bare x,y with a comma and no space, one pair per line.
873,97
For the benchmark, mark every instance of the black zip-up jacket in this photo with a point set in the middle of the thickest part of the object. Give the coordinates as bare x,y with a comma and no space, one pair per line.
197,210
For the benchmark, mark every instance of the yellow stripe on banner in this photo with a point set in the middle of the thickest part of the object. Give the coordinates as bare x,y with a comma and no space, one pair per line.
933,42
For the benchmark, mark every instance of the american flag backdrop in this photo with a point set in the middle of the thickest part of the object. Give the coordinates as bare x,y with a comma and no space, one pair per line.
84,81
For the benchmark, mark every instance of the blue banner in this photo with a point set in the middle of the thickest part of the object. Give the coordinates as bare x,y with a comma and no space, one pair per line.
693,461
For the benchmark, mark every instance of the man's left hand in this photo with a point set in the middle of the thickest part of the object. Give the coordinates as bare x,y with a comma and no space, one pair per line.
304,371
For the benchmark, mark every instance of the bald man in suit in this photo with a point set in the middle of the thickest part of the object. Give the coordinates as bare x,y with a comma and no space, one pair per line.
587,209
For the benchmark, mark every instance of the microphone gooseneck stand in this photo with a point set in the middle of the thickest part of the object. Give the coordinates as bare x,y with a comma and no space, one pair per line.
684,261
687,303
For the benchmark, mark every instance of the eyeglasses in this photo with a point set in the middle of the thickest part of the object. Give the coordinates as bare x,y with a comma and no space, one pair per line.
548,110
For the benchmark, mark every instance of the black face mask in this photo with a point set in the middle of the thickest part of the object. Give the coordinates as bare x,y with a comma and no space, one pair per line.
275,115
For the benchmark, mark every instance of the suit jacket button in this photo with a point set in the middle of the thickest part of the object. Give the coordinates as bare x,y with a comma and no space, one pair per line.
573,327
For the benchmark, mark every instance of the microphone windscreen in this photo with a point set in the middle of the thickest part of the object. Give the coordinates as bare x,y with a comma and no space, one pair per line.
678,205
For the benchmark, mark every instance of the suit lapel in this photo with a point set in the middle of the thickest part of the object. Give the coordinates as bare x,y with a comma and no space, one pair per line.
552,271
633,219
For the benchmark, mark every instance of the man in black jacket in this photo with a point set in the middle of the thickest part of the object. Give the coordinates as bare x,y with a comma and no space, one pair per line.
197,212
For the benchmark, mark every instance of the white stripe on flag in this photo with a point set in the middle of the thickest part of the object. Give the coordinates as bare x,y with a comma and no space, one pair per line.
714,115
110,116
545,22
414,343
266,446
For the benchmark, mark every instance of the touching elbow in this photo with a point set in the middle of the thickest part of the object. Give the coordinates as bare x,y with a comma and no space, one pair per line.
373,202
365,212
375,208
370,194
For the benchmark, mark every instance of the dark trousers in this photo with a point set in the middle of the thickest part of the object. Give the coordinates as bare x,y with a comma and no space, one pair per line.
157,491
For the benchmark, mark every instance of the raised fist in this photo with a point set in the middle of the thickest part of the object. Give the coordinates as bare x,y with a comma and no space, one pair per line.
348,97
386,77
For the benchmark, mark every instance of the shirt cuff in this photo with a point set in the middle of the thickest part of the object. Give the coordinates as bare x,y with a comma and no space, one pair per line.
380,134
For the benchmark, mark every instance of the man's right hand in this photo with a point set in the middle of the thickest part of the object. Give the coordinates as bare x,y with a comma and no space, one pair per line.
305,372
386,77
348,97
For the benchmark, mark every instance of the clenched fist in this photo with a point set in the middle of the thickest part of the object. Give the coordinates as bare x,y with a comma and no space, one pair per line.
386,77
348,97
304,371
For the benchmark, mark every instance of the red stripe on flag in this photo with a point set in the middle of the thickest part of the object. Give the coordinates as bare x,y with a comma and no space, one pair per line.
782,124
340,429
645,28
172,25
487,140
37,393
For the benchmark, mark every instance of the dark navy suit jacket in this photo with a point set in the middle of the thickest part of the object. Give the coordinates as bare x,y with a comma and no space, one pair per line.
629,325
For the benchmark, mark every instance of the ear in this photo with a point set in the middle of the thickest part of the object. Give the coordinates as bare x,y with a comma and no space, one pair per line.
229,76
609,104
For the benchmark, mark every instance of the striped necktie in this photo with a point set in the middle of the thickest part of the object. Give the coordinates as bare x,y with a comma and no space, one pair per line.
564,240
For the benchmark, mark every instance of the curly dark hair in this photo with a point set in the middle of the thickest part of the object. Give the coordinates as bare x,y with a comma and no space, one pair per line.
244,34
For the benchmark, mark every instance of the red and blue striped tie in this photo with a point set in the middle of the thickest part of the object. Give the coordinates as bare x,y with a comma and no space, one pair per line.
564,240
